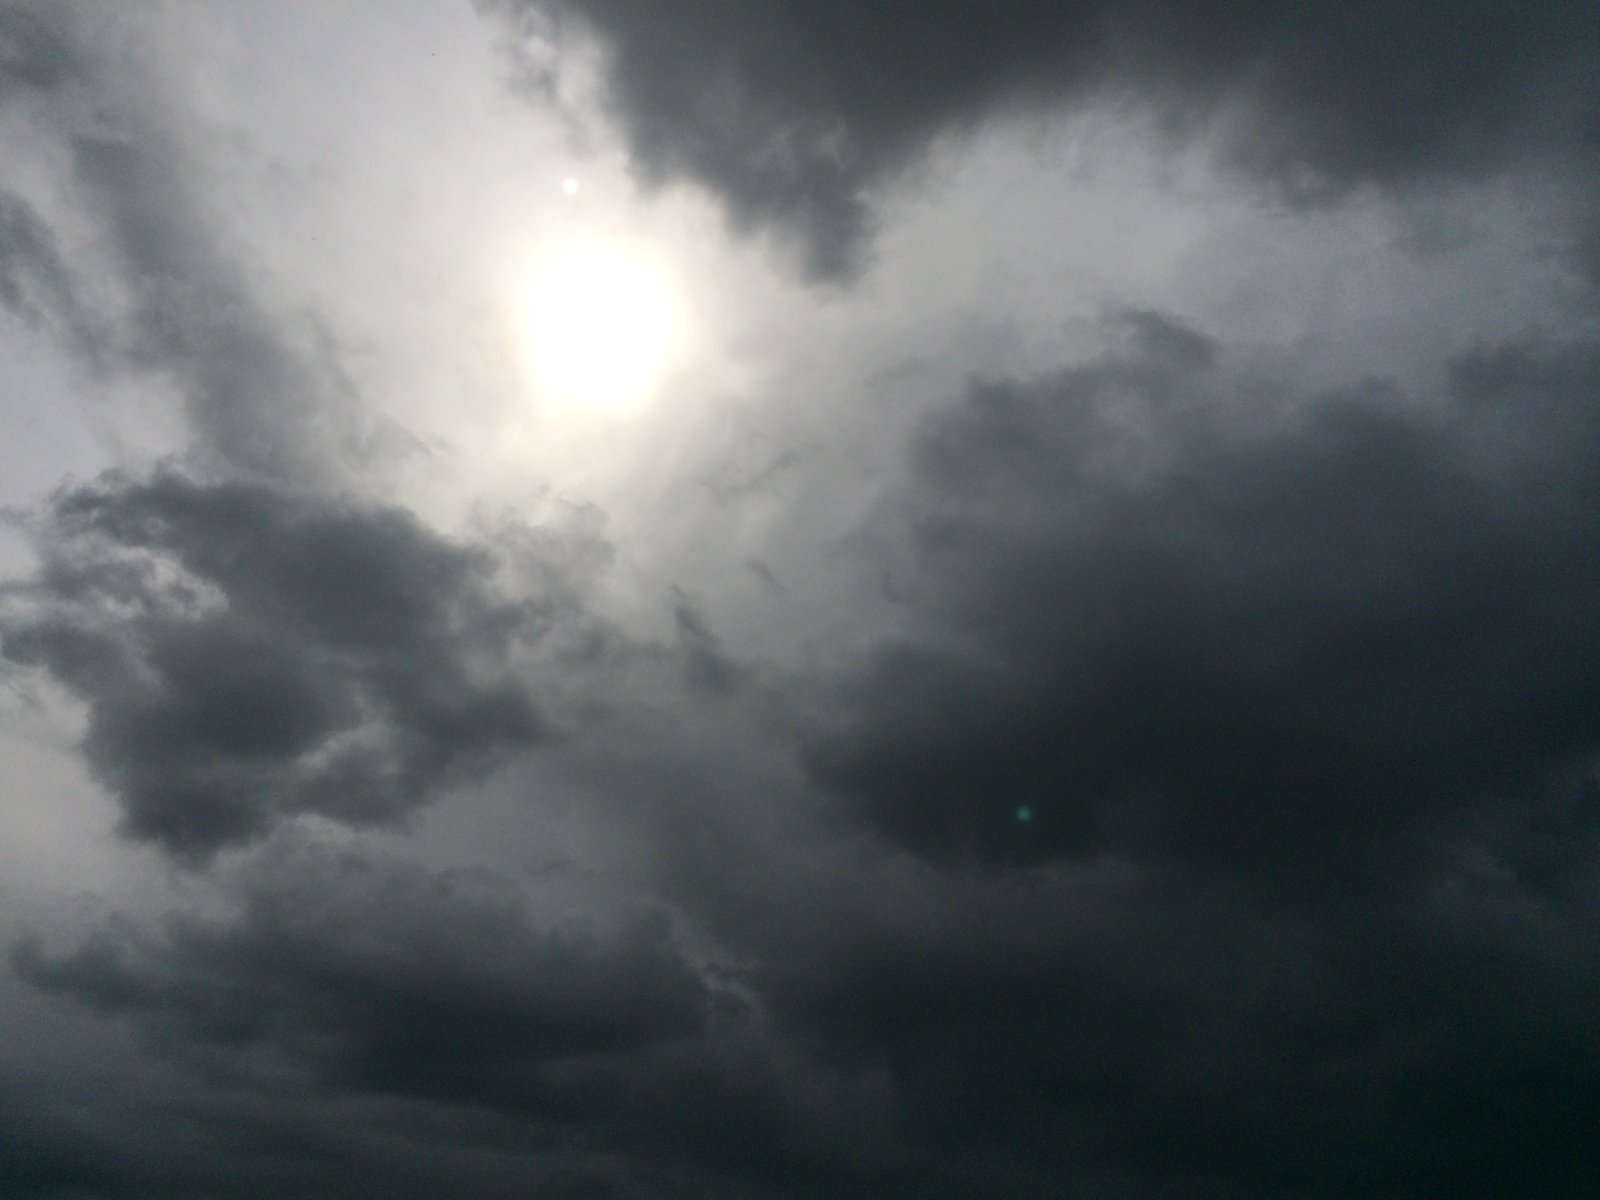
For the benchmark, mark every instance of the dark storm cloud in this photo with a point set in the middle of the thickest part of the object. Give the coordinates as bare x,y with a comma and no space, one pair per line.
793,109
1272,643
1120,1032
1129,1031
246,653
340,981
385,977
1138,1025
43,1155
341,974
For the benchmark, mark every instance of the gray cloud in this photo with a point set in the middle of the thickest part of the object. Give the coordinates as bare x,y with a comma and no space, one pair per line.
256,400
35,283
707,669
264,394
1295,685
597,1060
1119,1030
792,110
1223,975
247,653
33,51
1227,638
1122,1030
438,995
388,977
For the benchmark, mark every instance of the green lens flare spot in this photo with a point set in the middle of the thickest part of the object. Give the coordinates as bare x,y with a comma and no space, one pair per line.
1024,814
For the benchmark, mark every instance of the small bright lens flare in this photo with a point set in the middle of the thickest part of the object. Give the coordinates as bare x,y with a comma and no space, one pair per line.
569,186
601,325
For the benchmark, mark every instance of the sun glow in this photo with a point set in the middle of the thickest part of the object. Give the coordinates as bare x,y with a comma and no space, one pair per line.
602,323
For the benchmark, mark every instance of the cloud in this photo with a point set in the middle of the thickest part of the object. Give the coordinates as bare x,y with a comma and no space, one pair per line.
259,398
1117,1030
1163,623
1127,1030
794,110
36,285
340,984
1207,804
264,393
34,55
247,653
385,977
594,1057
707,669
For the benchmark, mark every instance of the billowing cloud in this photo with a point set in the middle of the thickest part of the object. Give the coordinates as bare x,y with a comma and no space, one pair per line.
1153,619
793,110
247,653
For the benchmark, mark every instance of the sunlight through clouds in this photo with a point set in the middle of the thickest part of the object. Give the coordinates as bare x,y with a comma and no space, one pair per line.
601,322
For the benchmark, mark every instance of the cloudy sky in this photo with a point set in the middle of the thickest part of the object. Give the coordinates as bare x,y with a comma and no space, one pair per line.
787,599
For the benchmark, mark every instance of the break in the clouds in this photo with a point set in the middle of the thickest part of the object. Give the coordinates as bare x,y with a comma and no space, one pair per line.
1068,666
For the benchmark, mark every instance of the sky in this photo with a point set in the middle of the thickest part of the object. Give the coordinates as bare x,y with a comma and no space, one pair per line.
786,599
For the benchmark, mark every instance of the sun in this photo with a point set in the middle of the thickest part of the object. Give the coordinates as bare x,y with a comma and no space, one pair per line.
602,322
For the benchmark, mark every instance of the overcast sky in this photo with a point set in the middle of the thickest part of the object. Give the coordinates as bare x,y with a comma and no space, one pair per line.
787,599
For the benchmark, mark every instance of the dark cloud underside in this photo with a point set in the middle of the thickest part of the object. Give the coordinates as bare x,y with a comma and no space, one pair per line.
1239,643
248,653
792,110
390,978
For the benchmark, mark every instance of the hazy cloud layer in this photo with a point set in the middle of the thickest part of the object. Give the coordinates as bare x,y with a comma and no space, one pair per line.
262,393
33,51
35,283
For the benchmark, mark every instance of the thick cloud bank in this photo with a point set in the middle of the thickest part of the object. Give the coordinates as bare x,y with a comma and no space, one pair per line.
793,109
246,654
1166,624
382,976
